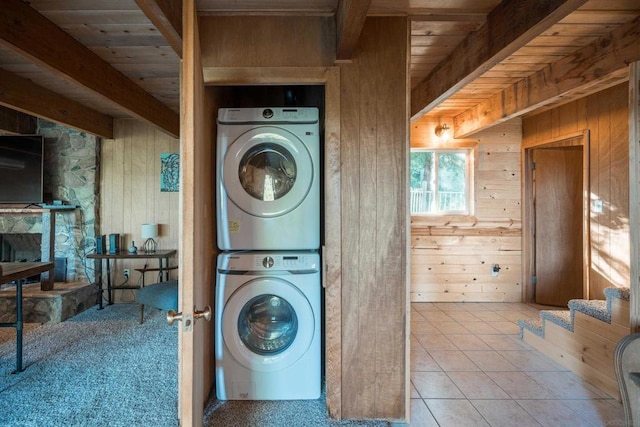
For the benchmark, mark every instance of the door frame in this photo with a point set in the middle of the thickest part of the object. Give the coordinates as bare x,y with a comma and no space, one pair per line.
331,249
528,219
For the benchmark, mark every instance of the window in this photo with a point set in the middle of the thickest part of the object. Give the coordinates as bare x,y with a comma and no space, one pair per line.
440,181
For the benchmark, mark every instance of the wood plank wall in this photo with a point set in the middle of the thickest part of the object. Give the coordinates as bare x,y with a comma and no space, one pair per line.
374,214
130,191
452,256
605,115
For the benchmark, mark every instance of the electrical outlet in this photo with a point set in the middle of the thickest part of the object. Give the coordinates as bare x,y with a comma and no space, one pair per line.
126,273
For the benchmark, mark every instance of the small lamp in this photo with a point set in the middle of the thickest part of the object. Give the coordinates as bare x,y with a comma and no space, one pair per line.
443,131
149,232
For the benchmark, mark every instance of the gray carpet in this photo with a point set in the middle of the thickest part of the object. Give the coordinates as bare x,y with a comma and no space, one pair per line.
99,368
278,413
103,368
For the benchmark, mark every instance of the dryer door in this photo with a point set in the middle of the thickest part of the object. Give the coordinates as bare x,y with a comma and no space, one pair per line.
267,171
267,324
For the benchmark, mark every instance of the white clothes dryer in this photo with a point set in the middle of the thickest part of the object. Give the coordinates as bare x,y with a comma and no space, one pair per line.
268,179
267,326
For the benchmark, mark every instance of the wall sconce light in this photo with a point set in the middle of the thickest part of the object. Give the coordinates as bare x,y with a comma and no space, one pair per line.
443,131
149,232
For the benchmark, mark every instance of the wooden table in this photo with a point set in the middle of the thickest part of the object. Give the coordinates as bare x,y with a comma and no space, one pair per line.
19,272
161,256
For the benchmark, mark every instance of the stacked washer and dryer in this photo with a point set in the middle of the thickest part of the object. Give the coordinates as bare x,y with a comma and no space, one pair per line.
268,288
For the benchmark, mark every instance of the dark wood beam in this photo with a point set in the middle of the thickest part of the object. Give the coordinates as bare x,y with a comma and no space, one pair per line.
29,34
509,26
23,95
17,122
350,18
603,62
166,15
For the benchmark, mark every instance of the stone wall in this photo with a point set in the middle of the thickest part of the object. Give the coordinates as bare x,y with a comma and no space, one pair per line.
70,174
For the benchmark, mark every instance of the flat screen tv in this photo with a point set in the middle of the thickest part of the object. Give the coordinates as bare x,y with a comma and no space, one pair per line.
21,168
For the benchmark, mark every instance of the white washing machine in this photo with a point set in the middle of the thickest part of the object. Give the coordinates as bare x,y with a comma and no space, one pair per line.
268,178
267,326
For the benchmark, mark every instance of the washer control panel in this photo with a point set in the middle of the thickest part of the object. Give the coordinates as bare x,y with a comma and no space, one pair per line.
300,261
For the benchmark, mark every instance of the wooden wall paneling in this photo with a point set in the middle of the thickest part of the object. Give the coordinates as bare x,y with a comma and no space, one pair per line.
392,226
469,246
350,183
332,251
279,41
634,194
604,115
619,230
130,192
374,134
593,112
368,307
604,192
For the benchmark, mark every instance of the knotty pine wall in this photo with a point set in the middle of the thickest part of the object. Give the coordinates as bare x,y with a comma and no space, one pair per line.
452,256
606,116
130,192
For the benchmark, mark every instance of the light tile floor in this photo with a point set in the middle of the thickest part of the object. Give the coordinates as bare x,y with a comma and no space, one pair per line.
470,368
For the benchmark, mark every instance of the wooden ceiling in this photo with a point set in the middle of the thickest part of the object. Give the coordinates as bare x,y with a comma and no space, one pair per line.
474,62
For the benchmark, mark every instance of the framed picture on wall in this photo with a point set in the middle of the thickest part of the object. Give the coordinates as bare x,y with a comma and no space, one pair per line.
169,172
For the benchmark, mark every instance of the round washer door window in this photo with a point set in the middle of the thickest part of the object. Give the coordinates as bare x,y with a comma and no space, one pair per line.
267,172
268,324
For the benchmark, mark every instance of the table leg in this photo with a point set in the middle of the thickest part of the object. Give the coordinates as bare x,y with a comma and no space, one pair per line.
19,325
109,296
100,291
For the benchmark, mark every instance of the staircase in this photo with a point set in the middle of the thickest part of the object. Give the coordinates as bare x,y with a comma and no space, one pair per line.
583,338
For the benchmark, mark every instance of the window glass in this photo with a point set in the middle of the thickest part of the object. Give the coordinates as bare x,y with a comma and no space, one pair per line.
440,181
267,324
267,172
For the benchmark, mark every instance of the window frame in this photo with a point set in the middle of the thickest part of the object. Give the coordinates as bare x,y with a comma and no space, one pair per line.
470,156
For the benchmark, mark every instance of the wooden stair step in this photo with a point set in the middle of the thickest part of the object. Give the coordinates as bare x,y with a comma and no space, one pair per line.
561,318
599,309
532,325
619,293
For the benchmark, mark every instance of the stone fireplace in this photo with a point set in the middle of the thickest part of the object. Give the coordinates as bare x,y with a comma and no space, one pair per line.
70,174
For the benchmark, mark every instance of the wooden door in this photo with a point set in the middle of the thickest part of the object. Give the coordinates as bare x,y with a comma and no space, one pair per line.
558,206
196,231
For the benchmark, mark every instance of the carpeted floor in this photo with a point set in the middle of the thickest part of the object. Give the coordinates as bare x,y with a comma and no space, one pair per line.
99,368
103,368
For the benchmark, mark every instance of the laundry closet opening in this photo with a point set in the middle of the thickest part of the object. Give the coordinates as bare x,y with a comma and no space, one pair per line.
264,153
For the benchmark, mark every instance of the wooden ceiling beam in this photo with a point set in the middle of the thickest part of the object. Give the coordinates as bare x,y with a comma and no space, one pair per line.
509,26
29,34
23,95
166,16
350,18
602,59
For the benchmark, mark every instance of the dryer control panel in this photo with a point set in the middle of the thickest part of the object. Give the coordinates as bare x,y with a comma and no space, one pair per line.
298,261
268,115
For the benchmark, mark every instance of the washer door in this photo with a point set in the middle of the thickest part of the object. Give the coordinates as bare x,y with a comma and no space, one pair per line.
267,172
267,324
